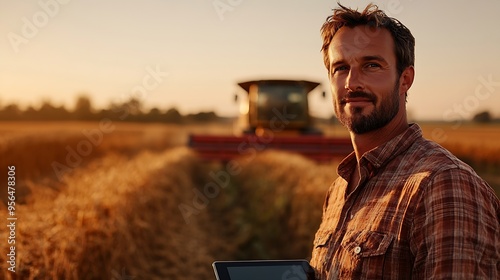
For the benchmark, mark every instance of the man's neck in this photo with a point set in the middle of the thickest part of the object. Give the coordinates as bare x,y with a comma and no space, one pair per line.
367,141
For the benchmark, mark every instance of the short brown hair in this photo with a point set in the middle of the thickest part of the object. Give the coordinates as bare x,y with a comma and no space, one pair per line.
371,16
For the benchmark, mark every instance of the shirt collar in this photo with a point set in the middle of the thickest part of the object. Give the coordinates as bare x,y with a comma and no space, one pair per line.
381,155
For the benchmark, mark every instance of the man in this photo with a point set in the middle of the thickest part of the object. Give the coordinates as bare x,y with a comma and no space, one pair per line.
402,207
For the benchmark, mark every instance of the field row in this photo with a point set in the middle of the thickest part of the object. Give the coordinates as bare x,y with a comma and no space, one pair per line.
166,215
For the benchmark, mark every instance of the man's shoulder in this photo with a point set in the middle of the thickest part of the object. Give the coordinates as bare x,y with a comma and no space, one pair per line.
434,157
444,168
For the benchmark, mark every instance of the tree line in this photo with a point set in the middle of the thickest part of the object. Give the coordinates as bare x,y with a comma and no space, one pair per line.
131,110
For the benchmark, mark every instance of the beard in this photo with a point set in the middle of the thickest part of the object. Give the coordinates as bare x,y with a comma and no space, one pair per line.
378,118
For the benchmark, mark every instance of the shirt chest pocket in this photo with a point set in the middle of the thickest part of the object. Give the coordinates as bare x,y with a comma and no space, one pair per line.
365,253
367,243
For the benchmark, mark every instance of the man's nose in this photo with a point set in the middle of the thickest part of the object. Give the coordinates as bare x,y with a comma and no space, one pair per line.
354,80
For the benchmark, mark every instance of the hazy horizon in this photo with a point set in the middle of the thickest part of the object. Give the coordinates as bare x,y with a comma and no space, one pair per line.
190,55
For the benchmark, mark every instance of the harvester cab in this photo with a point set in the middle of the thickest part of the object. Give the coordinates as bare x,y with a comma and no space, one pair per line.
277,105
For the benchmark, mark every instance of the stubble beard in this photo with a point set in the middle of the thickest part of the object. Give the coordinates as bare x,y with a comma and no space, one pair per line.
378,118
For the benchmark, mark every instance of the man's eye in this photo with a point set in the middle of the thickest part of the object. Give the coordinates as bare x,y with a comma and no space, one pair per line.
373,65
341,68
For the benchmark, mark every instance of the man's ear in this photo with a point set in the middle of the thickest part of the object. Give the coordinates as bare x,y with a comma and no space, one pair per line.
406,79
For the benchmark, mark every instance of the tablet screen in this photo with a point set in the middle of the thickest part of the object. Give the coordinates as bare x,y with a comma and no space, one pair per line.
263,270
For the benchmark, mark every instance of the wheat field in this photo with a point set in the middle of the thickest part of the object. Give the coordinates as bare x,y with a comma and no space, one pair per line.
131,201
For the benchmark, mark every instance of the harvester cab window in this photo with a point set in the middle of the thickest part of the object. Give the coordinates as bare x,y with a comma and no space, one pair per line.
287,100
295,97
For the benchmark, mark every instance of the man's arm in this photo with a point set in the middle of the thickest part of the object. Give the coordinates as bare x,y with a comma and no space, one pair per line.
456,229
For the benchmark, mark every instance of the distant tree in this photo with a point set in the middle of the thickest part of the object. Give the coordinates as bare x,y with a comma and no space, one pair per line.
10,112
134,106
129,110
154,115
83,108
173,116
482,117
49,112
30,113
203,117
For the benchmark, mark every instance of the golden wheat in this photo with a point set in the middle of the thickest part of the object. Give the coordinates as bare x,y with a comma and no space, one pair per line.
476,143
114,216
116,212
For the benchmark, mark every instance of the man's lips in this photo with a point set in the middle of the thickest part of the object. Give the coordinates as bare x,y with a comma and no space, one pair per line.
356,100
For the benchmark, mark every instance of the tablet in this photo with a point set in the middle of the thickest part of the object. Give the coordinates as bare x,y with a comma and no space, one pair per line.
263,270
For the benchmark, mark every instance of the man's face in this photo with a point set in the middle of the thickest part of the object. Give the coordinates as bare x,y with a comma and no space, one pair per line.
363,77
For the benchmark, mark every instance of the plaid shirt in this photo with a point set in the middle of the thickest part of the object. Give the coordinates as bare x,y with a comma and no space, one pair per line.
418,213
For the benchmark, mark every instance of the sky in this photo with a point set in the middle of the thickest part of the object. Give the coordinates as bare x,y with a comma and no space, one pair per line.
191,54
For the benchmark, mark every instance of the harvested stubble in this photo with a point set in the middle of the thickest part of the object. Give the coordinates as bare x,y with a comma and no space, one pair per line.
114,218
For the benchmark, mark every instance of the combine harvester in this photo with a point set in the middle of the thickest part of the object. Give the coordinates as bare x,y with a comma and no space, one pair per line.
275,116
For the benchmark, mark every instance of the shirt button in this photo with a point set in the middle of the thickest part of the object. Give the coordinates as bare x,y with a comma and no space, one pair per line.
357,250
